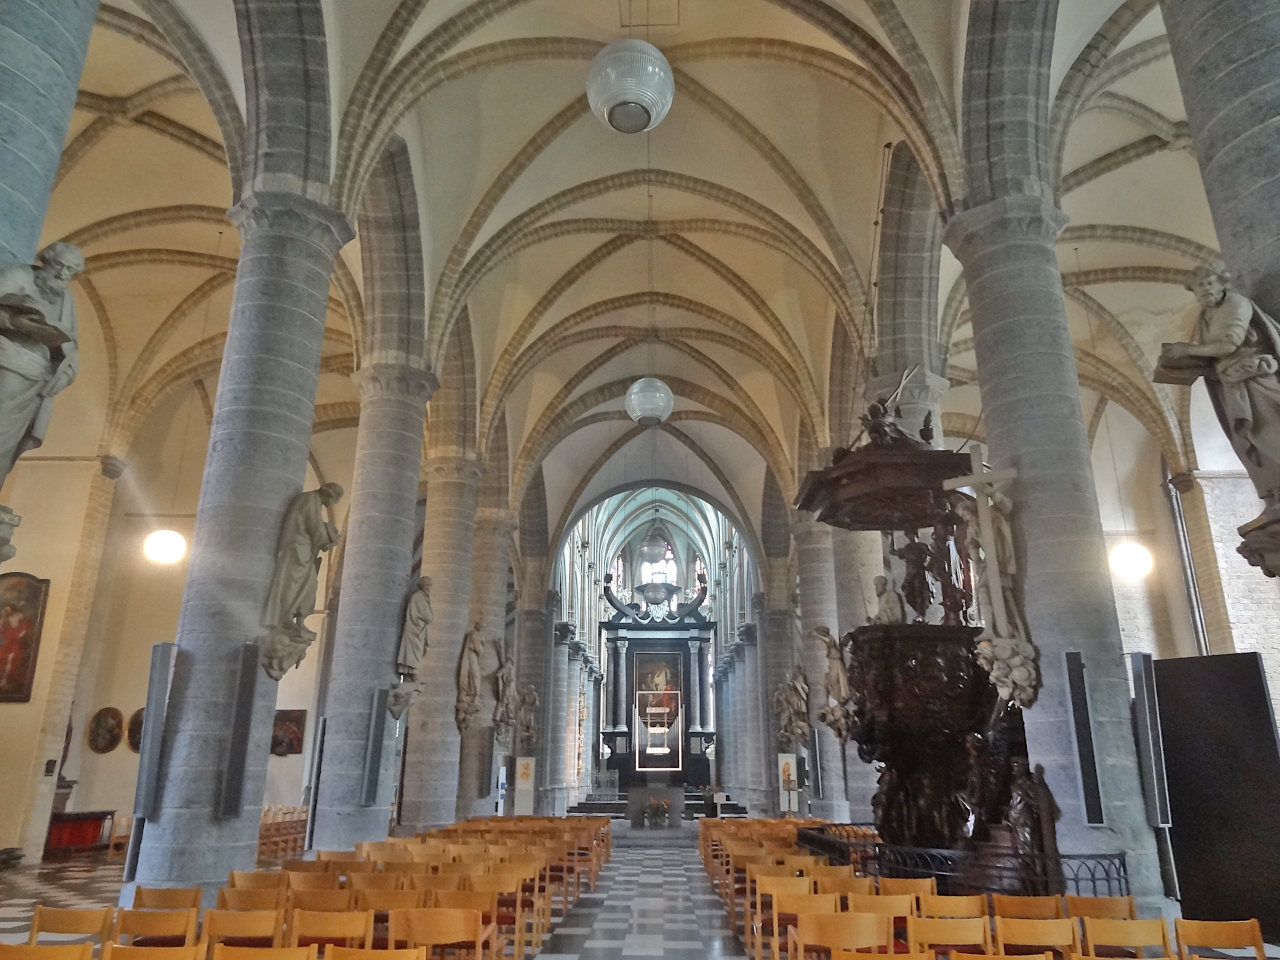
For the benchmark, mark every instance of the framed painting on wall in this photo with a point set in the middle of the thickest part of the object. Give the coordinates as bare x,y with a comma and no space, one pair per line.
22,602
286,734
106,730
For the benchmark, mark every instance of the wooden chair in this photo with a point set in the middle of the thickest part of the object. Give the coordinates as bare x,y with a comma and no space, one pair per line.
350,929
222,951
836,932
930,933
384,901
892,905
256,879
831,870
1027,908
51,951
155,928
845,887
304,866
758,926
973,905
327,901
310,880
86,923
348,953
1129,934
433,927
116,951
851,955
1058,933
784,910
327,856
916,886
1104,908
509,905
252,899
166,898
957,955
373,881
430,883
1218,934
247,928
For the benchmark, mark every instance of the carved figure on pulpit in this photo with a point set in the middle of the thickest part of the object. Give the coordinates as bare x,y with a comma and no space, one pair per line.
946,563
889,607
915,580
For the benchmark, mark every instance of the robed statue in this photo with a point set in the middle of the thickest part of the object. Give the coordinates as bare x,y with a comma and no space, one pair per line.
505,706
791,707
304,535
1236,351
38,357
413,636
469,672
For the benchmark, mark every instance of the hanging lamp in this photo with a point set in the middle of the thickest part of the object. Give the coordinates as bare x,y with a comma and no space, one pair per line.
630,86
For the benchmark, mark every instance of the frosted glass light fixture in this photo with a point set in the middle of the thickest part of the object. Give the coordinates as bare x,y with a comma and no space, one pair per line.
630,86
164,546
649,401
1131,561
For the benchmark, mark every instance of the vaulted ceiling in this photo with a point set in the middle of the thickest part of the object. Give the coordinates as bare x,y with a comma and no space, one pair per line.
726,251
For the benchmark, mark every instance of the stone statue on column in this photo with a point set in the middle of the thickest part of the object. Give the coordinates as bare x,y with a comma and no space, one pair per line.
889,608
526,716
304,535
469,674
791,705
38,358
413,636
504,708
1236,352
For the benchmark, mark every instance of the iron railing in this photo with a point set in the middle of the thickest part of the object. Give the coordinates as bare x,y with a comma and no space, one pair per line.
604,786
975,871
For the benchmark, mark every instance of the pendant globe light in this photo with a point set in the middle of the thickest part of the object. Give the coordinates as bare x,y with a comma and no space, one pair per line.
630,86
649,401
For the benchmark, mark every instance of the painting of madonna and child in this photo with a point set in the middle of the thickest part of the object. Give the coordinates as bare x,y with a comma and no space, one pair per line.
658,695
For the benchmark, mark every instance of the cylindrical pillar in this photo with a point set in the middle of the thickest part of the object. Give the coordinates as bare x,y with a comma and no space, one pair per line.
818,608
572,720
1232,102
42,51
553,790
258,444
623,716
756,798
489,576
432,744
695,686
1032,411
375,581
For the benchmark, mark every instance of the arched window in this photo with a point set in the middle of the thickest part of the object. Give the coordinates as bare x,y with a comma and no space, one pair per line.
664,571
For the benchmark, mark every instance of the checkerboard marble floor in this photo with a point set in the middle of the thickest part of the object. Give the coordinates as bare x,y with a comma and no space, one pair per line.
649,902
77,883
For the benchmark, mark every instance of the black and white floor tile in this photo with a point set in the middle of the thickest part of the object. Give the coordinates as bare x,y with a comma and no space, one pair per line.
649,902
78,883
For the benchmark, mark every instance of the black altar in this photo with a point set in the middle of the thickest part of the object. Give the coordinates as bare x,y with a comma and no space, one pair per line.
658,725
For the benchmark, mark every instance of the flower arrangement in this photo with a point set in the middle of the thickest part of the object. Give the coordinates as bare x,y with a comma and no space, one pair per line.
657,813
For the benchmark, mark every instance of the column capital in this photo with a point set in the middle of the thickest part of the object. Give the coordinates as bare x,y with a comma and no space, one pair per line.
577,649
564,632
448,467
112,467
805,527
395,380
292,213
1003,220
747,634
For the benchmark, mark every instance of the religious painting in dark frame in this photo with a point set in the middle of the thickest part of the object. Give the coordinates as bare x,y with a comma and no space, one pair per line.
287,732
656,673
22,602
106,730
133,733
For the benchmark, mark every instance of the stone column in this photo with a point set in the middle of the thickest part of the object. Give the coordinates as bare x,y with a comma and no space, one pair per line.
718,768
694,707
375,582
725,740
571,720
595,702
704,687
432,744
533,641
754,731
553,779
42,51
489,576
76,626
258,445
1031,406
859,560
818,608
622,716
1227,55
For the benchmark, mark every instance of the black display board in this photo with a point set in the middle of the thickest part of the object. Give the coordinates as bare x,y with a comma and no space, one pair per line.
1223,765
